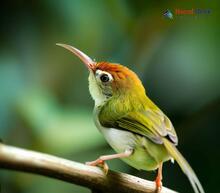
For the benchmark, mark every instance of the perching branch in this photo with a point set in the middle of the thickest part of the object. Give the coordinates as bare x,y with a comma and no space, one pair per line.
92,177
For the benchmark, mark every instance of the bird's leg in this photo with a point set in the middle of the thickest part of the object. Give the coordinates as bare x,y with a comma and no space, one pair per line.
101,160
159,177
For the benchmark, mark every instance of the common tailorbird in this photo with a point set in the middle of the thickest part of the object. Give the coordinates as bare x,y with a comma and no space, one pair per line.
140,133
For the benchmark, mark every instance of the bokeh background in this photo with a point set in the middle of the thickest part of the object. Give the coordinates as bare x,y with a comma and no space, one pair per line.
44,99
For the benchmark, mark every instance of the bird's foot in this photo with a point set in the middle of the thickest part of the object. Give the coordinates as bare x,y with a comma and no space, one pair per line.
159,184
101,163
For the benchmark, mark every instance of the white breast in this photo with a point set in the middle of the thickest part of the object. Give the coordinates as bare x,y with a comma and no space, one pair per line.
119,140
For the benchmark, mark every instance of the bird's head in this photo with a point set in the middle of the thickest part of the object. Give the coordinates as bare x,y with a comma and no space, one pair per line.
109,80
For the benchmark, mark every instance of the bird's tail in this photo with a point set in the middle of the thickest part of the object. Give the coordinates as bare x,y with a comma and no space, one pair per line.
186,168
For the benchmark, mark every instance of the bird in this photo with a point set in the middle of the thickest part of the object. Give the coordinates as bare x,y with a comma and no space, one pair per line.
138,131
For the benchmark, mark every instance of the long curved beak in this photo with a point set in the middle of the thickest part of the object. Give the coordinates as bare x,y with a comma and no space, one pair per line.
83,57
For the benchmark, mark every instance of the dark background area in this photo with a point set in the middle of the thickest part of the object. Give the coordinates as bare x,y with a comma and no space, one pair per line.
44,99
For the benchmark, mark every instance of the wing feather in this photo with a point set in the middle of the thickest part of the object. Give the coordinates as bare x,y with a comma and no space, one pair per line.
151,123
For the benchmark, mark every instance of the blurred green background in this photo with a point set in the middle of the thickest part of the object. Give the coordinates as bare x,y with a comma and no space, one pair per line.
44,99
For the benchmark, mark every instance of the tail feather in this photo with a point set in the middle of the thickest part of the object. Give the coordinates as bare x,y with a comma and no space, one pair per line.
184,165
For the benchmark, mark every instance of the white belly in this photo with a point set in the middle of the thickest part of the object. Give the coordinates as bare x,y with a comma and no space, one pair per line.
118,139
121,140
146,155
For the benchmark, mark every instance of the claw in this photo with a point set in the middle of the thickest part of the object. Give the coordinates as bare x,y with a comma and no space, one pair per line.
100,163
101,160
159,184
105,167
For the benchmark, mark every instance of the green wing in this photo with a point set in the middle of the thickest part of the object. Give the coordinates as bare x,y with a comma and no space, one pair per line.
151,123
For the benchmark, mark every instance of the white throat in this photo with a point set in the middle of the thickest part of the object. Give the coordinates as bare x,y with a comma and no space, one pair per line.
96,92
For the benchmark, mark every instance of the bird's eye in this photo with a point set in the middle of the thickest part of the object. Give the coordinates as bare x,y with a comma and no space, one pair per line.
104,78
